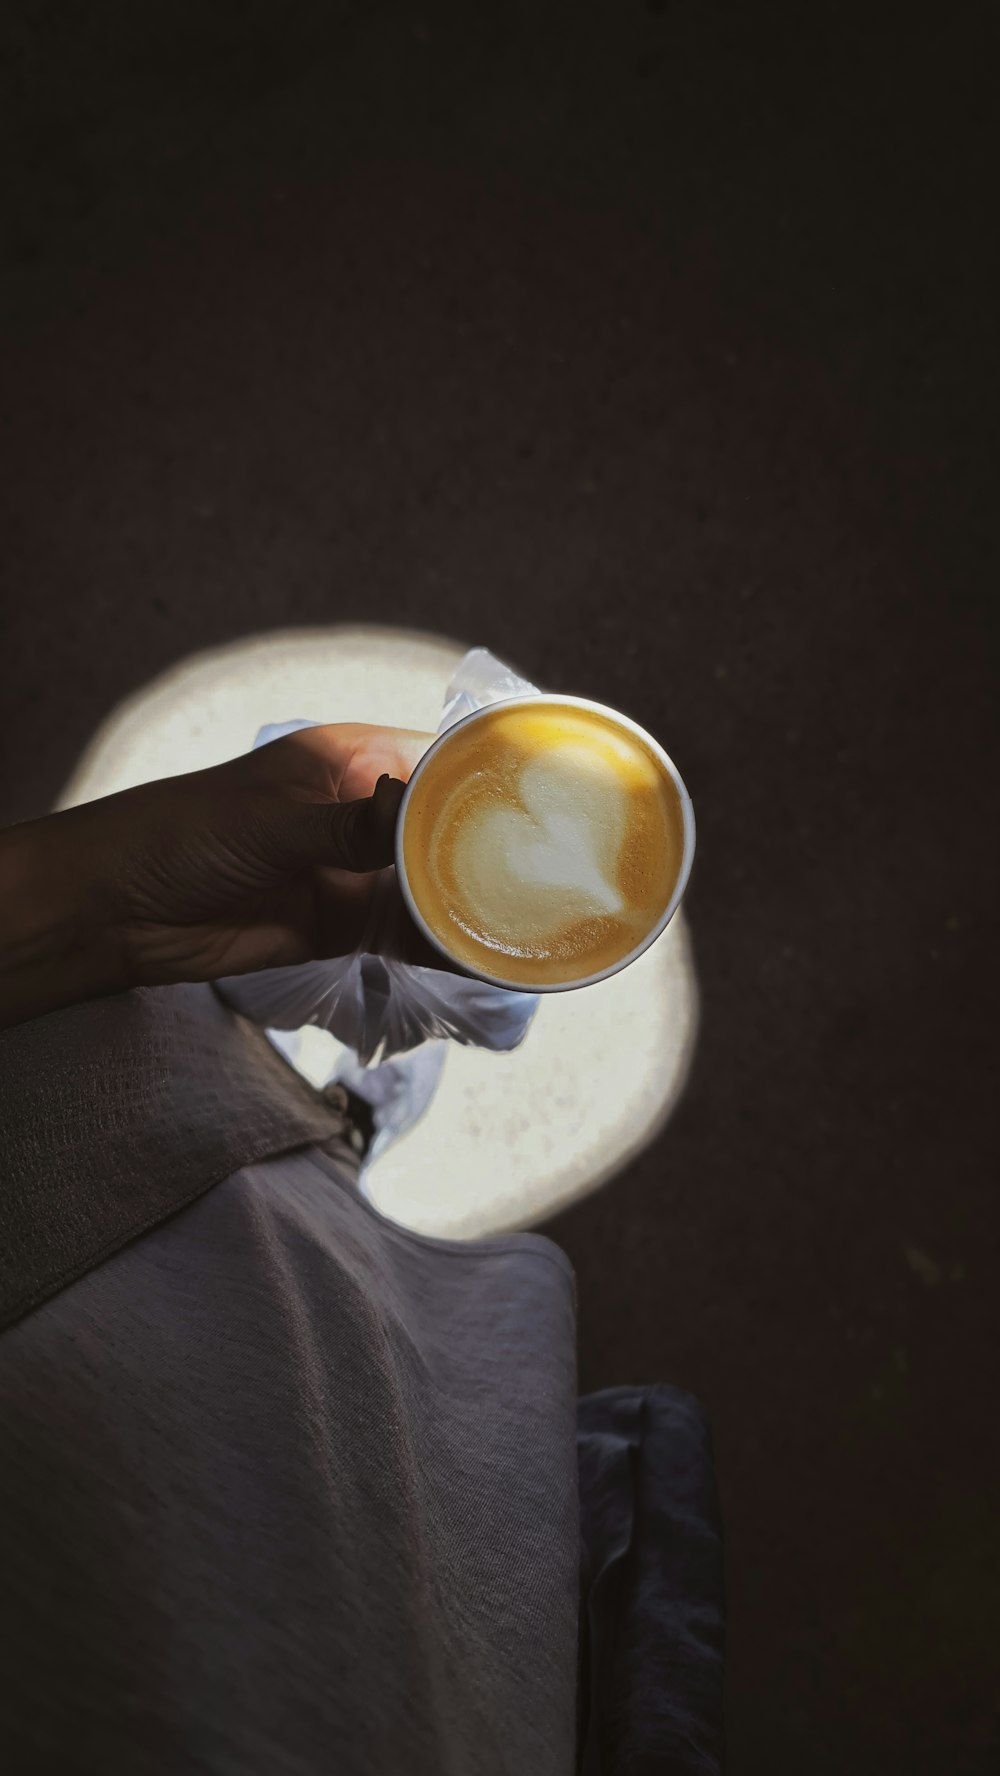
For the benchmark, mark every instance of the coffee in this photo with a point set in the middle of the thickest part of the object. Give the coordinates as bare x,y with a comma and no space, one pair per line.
543,842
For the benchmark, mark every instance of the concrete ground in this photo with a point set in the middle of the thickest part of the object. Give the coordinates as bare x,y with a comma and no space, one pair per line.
652,347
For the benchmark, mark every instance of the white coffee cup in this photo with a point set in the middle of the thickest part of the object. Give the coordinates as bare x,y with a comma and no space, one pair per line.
623,721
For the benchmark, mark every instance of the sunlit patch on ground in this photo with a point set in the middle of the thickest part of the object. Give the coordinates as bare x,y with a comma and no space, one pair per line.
507,1139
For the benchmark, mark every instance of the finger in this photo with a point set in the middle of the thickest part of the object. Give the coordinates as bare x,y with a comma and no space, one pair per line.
413,947
391,750
408,745
358,835
395,934
349,755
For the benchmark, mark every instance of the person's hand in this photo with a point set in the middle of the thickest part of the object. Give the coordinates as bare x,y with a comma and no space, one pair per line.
268,859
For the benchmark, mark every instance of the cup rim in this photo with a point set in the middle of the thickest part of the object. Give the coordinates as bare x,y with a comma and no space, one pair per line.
687,859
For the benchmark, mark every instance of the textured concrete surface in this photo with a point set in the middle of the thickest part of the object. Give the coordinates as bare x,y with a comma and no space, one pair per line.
652,347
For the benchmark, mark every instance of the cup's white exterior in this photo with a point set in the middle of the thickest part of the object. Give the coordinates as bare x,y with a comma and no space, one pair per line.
687,859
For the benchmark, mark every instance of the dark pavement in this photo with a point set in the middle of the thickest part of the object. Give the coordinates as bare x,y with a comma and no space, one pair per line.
654,348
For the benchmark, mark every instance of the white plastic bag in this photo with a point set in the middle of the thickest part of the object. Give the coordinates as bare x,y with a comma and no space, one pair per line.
392,1018
398,1091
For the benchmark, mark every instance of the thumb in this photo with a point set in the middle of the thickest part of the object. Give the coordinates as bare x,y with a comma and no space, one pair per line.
345,835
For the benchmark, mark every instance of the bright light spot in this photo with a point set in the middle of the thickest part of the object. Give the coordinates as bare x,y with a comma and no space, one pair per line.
507,1139
210,707
510,1138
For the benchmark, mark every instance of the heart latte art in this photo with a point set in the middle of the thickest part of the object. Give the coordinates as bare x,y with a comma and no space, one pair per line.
525,871
542,844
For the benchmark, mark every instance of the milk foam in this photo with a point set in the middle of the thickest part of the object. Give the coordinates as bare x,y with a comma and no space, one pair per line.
542,844
525,873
